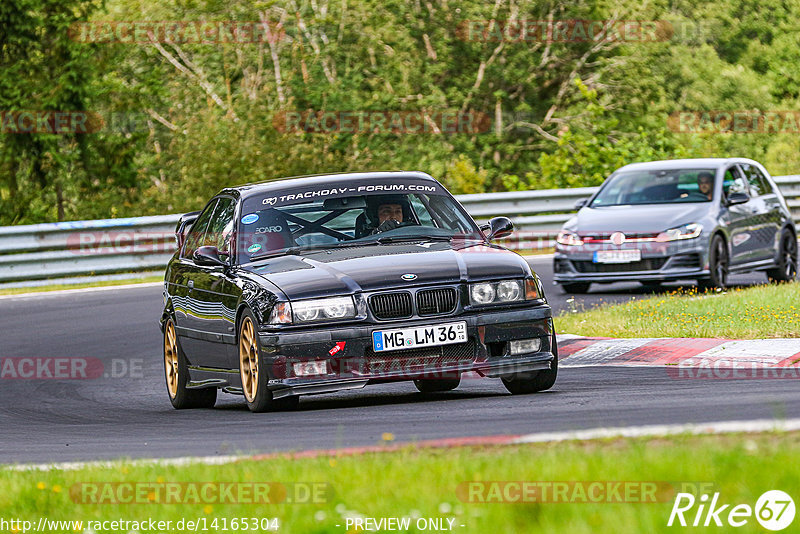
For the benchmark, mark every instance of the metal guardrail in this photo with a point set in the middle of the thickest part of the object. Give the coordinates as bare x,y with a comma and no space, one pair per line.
79,248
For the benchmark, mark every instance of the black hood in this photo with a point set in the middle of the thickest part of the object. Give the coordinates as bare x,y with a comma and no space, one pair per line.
374,267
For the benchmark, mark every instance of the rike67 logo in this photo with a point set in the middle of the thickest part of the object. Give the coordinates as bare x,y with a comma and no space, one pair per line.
774,510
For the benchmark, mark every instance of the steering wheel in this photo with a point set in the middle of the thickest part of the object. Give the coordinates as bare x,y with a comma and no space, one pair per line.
391,224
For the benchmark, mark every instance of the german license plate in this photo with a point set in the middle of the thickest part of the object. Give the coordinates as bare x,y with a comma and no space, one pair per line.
419,336
617,256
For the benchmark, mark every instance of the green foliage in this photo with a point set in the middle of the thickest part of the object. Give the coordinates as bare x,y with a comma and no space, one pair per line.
461,177
560,114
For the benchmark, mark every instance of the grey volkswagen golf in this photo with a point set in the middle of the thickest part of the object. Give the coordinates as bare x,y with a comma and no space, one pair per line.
695,219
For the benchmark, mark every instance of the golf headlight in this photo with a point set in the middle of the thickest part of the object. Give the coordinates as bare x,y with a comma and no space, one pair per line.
323,309
687,231
496,292
568,238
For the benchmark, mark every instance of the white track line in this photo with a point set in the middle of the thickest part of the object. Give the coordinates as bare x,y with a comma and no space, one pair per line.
721,427
67,292
164,462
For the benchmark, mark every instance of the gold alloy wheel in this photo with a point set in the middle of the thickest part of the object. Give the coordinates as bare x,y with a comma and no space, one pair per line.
171,359
248,359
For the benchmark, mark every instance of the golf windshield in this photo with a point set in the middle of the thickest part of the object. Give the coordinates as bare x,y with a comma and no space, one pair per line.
295,222
673,186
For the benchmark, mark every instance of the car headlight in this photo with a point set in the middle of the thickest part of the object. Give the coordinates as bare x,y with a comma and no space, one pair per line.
565,237
686,231
306,311
482,293
485,293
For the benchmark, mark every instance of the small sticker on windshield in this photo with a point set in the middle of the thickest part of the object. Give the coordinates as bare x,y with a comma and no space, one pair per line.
253,248
250,219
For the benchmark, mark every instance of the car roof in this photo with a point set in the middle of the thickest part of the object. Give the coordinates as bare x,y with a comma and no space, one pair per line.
696,163
258,188
690,163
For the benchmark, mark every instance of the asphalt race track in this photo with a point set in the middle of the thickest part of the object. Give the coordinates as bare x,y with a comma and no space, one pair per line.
127,414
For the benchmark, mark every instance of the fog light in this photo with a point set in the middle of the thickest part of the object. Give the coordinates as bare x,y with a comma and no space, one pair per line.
311,368
524,346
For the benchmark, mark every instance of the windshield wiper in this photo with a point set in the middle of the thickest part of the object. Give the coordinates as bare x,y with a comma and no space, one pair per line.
403,238
298,249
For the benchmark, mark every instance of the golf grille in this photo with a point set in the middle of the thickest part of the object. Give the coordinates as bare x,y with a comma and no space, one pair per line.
391,305
643,265
436,301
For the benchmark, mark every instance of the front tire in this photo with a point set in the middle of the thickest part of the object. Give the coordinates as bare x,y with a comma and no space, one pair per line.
253,374
718,264
176,372
578,288
533,382
786,271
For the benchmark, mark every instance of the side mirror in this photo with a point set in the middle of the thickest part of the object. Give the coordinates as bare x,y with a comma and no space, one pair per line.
500,227
208,256
737,198
581,203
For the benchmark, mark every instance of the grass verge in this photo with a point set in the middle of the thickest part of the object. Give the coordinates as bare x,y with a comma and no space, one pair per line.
768,311
429,483
61,287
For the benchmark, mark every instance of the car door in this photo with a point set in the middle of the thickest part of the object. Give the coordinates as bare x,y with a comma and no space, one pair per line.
767,212
189,321
738,217
214,292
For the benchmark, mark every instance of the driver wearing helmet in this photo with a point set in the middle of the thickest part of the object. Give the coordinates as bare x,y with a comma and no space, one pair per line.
387,212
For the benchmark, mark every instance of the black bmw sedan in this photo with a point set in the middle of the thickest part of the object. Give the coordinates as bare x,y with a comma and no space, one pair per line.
327,283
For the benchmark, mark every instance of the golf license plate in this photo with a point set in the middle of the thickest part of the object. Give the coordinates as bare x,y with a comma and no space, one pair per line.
419,336
617,256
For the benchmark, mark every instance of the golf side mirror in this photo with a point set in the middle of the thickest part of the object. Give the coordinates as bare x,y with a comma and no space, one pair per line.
737,198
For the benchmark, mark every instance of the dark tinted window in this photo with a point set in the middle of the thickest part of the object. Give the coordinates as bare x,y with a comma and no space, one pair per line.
759,185
338,220
220,231
198,231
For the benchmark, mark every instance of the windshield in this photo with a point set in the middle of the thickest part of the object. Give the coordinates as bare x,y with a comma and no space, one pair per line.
657,187
305,221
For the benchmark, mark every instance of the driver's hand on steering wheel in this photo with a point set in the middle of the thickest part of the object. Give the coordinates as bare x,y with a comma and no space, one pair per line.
388,224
